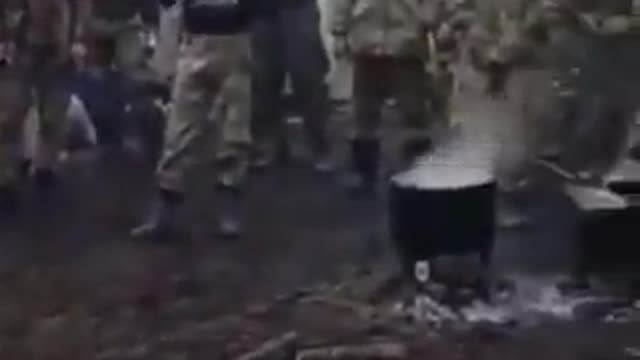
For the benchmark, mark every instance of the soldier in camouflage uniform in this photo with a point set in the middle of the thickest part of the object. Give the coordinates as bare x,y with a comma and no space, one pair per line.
34,77
212,97
578,104
581,118
588,48
389,45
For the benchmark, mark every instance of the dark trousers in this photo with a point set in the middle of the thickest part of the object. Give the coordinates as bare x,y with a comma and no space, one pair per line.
498,75
378,78
287,42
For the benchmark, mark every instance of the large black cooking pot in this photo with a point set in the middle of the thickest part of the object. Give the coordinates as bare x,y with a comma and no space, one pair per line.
608,241
429,222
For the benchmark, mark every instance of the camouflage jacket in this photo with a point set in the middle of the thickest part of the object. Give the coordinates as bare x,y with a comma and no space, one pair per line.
385,27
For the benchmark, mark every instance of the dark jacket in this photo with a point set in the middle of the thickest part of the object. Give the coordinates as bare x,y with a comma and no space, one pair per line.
217,18
122,10
272,6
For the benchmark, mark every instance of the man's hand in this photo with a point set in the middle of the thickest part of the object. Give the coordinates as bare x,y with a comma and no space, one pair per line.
341,47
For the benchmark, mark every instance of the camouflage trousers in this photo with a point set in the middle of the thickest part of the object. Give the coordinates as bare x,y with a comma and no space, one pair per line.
212,96
40,86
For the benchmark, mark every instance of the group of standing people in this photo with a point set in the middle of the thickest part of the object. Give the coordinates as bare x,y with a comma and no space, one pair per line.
235,58
235,74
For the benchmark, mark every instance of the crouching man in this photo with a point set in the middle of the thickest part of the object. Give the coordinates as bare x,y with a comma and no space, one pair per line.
212,78
389,45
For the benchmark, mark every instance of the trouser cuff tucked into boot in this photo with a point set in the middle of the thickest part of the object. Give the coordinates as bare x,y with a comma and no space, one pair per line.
230,199
9,201
160,224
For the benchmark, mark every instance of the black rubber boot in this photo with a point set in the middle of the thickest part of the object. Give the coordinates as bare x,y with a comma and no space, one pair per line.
160,224
45,180
45,183
262,157
9,202
365,158
24,169
229,220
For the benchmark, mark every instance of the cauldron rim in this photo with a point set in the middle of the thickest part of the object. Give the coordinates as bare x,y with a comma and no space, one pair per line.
400,180
492,181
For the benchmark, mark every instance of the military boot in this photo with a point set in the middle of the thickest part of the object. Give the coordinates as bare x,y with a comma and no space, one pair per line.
323,163
24,169
262,157
10,196
229,223
365,162
9,202
45,180
160,223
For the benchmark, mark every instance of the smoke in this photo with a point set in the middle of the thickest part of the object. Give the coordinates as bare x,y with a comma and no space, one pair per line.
463,158
534,299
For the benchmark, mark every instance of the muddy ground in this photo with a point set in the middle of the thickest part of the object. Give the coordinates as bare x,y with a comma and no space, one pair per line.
75,287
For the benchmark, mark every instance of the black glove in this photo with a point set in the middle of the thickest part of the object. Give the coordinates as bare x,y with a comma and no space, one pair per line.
167,3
